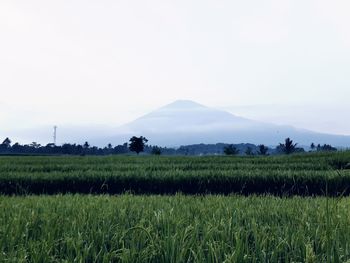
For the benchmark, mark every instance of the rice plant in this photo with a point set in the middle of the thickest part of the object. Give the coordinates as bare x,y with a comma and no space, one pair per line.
303,174
128,228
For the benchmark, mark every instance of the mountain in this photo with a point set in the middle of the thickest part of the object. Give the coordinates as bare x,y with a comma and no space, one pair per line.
186,122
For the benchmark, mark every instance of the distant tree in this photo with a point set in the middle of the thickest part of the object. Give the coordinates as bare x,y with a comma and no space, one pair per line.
95,150
156,150
230,150
288,146
86,145
312,146
299,150
109,146
35,145
326,148
137,144
249,151
318,148
262,149
17,147
86,149
6,143
80,150
67,148
120,149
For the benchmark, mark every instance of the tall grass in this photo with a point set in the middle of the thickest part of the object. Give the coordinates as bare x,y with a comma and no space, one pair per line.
282,175
75,228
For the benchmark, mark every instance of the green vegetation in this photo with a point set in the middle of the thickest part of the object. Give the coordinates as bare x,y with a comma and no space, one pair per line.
288,146
175,228
262,149
231,150
303,174
137,144
75,228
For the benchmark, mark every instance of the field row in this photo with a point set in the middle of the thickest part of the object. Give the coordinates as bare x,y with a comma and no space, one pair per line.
307,174
73,228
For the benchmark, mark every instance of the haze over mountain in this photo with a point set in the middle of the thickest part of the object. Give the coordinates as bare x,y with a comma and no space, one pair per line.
88,76
187,122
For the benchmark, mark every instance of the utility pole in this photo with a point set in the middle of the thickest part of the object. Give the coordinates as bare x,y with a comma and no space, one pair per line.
54,134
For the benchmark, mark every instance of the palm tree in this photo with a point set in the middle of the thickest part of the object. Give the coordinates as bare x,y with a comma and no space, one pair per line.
288,146
312,146
7,142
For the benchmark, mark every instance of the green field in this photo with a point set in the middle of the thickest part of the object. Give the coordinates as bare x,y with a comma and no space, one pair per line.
85,228
268,209
305,174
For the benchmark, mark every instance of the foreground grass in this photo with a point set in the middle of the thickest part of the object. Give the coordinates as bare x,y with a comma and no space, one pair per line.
306,174
127,228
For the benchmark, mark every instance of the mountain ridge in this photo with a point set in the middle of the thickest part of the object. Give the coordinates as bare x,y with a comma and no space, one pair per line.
185,122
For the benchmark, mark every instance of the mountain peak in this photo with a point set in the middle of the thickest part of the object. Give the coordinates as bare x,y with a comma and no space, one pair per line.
183,104
187,122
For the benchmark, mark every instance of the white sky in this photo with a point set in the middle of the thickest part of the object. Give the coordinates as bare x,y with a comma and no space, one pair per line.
107,62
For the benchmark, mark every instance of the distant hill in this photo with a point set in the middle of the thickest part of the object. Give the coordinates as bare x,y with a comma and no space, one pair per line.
185,122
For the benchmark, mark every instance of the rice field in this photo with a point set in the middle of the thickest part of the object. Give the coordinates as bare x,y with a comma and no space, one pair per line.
175,209
127,228
306,174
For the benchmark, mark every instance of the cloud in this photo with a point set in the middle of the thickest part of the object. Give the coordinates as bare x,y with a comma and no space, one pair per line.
336,15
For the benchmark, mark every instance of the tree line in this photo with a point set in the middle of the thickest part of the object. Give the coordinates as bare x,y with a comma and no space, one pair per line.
136,144
139,144
287,147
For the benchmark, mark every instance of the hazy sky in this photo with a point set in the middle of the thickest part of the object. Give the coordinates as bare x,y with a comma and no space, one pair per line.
107,62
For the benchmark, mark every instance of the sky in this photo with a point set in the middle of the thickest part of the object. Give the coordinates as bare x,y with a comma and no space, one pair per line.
95,63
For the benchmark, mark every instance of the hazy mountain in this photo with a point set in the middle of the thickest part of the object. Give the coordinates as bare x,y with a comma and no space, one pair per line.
186,122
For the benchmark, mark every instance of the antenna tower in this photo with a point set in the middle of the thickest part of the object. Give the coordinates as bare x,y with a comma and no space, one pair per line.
54,134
